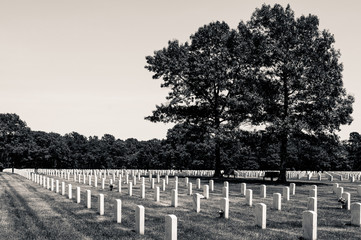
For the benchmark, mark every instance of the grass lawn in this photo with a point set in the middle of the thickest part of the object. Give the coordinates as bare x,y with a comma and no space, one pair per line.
29,211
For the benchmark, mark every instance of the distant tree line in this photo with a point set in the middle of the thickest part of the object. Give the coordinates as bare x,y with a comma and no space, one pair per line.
185,147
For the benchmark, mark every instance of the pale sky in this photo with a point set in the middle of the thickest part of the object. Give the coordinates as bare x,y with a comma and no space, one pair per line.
78,65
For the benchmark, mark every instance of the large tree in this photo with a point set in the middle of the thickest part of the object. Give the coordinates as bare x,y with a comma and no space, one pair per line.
209,81
14,135
300,76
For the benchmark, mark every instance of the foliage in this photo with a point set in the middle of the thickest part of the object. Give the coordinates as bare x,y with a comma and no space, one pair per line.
209,81
186,147
300,77
13,138
353,146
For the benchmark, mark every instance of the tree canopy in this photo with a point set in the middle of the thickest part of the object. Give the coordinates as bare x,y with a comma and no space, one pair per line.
276,70
300,77
209,80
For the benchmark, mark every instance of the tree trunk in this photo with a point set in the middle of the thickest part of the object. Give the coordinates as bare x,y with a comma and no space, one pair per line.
217,170
283,157
284,132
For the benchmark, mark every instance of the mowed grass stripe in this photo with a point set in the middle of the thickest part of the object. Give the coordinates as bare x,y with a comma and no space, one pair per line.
35,218
285,224
76,217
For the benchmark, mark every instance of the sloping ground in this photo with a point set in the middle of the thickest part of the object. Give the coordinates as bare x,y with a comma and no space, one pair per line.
28,211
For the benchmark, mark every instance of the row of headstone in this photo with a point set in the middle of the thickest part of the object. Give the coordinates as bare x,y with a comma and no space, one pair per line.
309,224
224,205
345,199
170,220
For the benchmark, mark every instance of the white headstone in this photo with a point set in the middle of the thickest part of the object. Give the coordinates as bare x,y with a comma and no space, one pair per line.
312,204
70,191
313,193
292,188
277,201
198,182
249,197
352,179
339,192
163,185
225,207
139,219
206,191
286,194
142,191
176,183
156,194
101,204
103,183
189,188
211,185
52,185
309,225
263,192
261,215
356,214
88,199
152,183
314,187
347,197
63,188
170,227
174,202
78,194
334,187
197,202
130,188
118,210
56,186
243,189
225,192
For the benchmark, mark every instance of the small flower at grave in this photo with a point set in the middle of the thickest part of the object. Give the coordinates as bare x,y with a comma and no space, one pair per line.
342,202
221,213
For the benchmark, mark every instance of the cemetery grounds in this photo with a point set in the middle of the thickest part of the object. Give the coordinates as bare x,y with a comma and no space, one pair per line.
30,211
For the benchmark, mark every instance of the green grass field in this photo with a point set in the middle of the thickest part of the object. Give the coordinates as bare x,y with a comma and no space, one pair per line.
29,211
